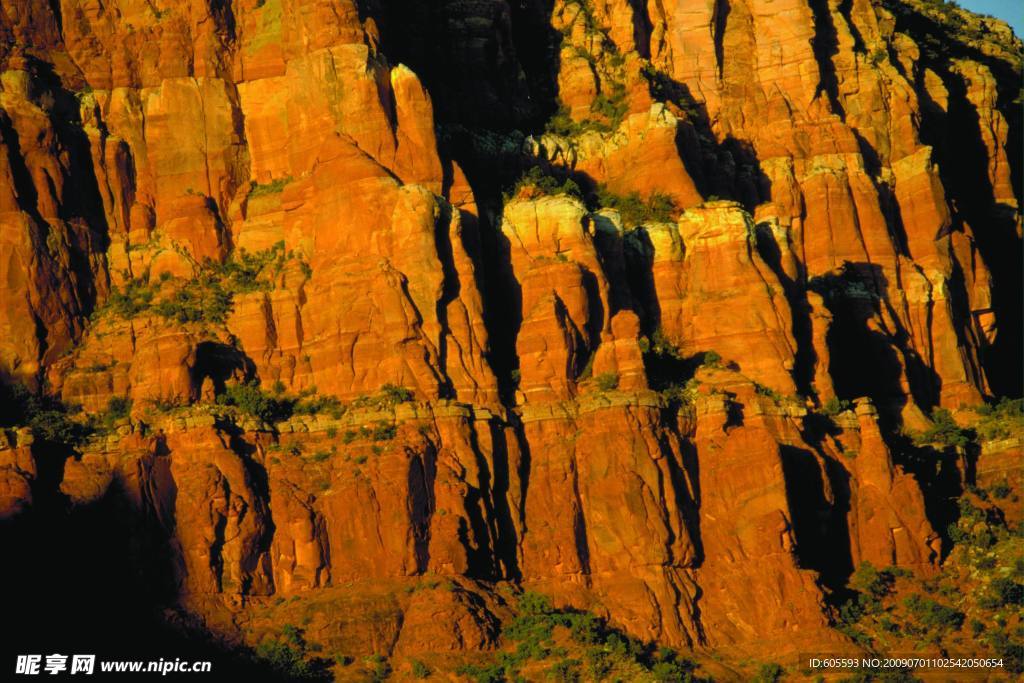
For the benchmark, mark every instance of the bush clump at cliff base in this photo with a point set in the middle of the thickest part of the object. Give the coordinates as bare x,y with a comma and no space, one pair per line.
971,607
291,657
571,645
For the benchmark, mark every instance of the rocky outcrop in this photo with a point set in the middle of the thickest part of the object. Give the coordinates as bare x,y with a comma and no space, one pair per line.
667,379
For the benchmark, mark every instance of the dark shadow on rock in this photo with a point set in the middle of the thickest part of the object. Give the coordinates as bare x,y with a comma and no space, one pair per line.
819,525
219,363
98,578
866,359
485,64
805,358
955,135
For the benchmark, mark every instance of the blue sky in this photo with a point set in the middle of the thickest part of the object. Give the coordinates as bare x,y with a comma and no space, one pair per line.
1010,11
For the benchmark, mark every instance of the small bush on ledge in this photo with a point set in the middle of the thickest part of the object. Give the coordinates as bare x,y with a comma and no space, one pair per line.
607,381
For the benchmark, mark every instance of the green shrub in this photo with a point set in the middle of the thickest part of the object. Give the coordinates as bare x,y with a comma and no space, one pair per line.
250,272
769,673
567,670
118,408
563,125
377,667
382,431
835,405
419,669
132,300
607,381
666,368
202,299
933,615
607,112
533,633
208,297
392,395
611,106
1001,489
636,210
487,673
289,655
47,417
389,396
273,187
944,431
712,359
598,663
1003,592
549,183
1002,420
767,392
871,586
872,582
975,527
670,669
250,398
56,427
316,404
1008,649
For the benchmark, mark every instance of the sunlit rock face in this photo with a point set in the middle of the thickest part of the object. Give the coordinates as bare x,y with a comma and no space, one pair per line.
607,383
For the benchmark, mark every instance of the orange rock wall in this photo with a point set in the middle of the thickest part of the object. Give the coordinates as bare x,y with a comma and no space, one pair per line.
849,258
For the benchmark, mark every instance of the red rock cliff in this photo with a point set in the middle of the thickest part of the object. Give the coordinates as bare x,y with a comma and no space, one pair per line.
663,378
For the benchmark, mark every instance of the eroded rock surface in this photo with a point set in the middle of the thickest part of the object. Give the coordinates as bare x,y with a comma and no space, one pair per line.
627,414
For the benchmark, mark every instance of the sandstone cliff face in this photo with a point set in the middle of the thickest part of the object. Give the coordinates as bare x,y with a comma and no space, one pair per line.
625,413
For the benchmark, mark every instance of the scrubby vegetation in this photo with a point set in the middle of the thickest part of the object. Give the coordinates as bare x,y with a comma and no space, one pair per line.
381,431
250,398
767,392
388,397
277,405
834,406
118,408
206,298
1002,420
419,669
546,182
607,112
289,655
669,372
971,607
273,187
48,418
943,431
633,208
637,210
938,25
664,88
569,645
607,381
